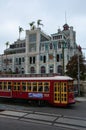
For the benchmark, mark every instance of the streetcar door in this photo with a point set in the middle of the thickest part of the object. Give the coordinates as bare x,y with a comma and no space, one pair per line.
57,92
64,92
60,92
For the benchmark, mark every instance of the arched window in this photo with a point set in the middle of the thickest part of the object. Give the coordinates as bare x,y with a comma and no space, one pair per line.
22,70
51,69
59,69
17,70
32,70
43,69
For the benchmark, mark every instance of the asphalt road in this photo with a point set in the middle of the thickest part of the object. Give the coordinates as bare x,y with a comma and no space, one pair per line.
76,110
12,124
75,113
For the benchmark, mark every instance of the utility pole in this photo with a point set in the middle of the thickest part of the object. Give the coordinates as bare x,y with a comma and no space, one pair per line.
78,76
63,47
63,59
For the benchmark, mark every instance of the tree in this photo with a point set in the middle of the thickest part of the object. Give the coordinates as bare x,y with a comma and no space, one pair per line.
20,30
39,22
7,44
32,26
72,67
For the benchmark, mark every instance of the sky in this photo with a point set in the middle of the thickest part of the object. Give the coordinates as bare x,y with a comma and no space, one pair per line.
53,13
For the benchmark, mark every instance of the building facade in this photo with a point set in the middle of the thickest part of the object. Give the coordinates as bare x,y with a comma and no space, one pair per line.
40,53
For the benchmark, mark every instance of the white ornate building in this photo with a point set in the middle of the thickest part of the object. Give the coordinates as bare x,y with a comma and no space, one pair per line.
39,53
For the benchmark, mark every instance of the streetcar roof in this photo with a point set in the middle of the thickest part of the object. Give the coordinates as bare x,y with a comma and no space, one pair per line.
37,78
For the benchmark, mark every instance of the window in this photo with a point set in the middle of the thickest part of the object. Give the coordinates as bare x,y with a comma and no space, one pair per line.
57,57
16,86
43,58
32,70
0,85
19,61
32,37
32,47
46,88
40,58
59,45
23,88
23,59
40,88
43,70
32,60
59,69
51,46
29,87
51,69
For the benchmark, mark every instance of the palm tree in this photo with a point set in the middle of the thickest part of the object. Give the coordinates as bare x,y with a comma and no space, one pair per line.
39,22
7,44
32,25
20,30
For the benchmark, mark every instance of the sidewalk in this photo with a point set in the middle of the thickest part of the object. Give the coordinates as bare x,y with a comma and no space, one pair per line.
81,99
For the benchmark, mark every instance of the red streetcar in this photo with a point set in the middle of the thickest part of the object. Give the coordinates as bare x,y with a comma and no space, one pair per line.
56,90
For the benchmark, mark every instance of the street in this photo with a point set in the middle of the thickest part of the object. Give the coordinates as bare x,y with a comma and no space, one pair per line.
11,124
78,109
34,117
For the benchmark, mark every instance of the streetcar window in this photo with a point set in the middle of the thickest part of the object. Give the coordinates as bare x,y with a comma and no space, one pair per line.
9,88
46,88
55,89
29,88
65,84
5,83
14,88
40,88
70,89
46,83
59,84
24,83
24,88
39,83
18,88
29,83
65,99
34,83
34,88
0,87
65,89
5,87
16,83
9,83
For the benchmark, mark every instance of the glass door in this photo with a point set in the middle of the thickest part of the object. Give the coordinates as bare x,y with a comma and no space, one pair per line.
60,92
